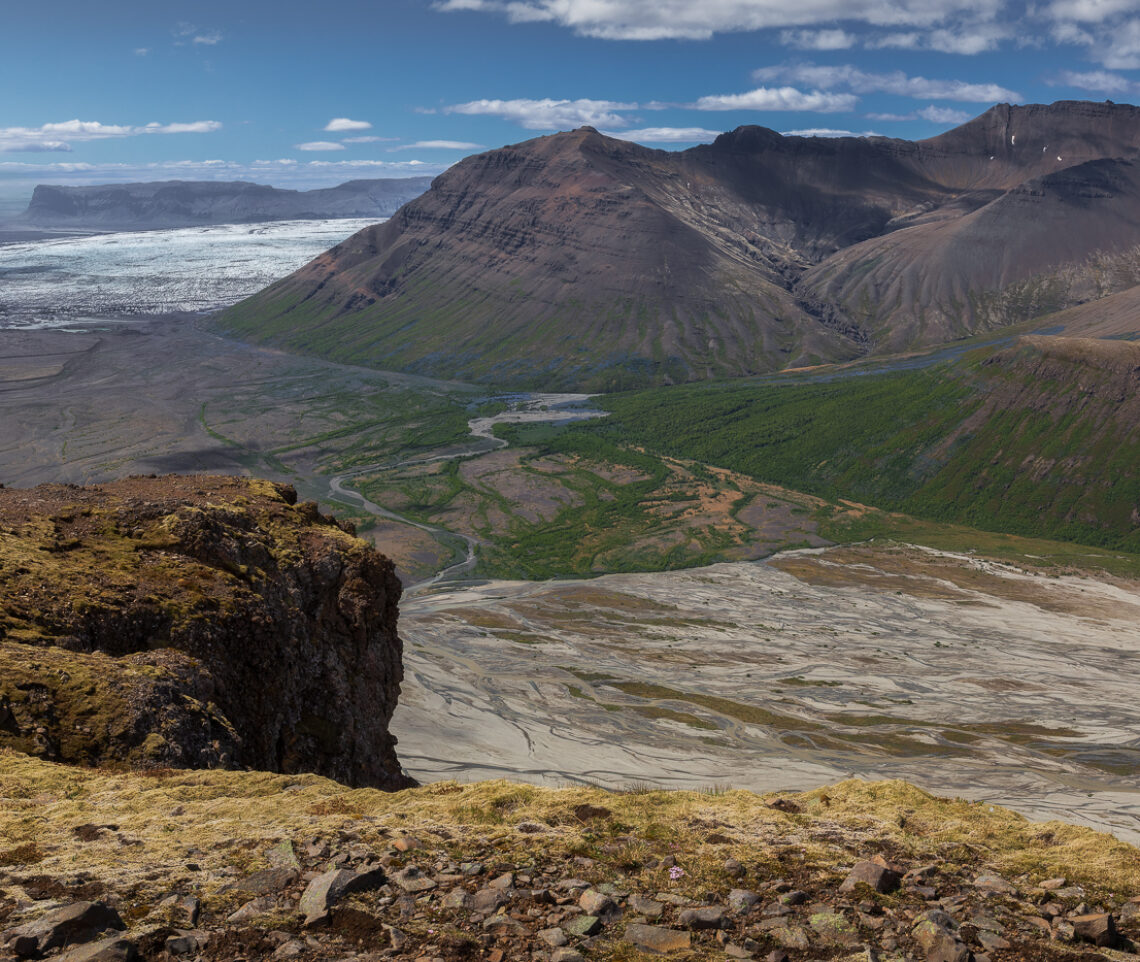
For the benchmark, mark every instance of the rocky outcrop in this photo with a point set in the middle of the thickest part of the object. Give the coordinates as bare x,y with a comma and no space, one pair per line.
183,203
585,262
195,622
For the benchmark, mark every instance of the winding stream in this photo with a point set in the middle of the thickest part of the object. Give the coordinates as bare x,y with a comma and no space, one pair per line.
521,408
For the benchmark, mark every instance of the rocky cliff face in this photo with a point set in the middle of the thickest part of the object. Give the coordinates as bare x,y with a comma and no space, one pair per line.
580,260
180,203
195,622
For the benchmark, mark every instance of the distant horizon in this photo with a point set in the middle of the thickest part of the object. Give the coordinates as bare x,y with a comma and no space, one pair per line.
16,194
263,90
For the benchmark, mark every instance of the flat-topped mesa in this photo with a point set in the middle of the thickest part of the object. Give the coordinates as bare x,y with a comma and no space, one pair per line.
196,622
579,261
185,203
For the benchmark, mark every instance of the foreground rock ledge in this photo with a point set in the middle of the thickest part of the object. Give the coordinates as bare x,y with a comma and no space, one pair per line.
216,866
196,622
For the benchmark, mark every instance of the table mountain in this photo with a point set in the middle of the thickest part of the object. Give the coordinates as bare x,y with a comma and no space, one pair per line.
186,203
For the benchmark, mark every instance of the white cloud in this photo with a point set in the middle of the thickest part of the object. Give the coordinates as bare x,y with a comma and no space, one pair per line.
1100,81
319,145
937,115
62,135
962,39
37,147
779,98
1115,45
343,123
198,127
439,145
827,132
549,114
943,115
818,39
189,32
1110,29
1089,11
896,82
141,51
367,140
683,19
666,135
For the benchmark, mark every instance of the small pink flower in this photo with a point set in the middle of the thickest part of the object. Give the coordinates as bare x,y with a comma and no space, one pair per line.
676,872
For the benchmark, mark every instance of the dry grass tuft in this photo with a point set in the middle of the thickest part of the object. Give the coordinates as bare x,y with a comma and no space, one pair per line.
229,820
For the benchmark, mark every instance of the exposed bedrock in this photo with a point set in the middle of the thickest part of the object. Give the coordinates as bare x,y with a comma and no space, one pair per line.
196,622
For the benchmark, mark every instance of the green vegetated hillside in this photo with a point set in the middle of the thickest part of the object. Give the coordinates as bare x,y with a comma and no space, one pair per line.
1038,438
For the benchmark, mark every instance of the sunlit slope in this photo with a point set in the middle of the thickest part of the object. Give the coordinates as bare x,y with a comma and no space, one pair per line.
1038,438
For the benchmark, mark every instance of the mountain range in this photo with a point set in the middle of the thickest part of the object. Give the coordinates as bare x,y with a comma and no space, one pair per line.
180,203
579,260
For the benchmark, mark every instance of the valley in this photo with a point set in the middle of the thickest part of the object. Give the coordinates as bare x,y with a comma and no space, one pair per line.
881,659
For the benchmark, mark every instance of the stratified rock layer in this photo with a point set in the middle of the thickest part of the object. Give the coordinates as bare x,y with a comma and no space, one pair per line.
195,622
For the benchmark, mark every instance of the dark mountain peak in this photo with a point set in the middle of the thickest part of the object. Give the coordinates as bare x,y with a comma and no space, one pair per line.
749,138
583,260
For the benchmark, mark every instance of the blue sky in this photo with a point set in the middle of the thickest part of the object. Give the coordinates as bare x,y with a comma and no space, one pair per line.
315,93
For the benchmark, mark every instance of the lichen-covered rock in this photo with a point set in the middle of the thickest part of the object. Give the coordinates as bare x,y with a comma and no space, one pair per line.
195,622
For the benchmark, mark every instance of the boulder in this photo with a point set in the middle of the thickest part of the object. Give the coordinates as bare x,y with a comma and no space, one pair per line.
655,938
71,925
1099,928
879,877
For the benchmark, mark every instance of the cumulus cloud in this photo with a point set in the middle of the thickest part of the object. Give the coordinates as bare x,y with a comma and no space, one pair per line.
439,145
666,135
1094,11
779,98
827,132
37,147
198,127
343,123
319,145
963,39
862,82
185,32
943,115
937,115
683,19
1100,81
1109,29
60,136
818,39
549,114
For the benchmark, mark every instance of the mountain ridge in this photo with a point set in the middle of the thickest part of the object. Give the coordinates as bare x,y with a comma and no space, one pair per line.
581,260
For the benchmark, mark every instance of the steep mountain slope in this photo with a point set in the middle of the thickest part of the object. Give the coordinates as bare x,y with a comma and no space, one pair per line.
581,260
1040,437
180,203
